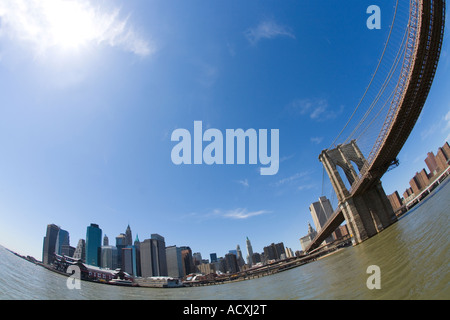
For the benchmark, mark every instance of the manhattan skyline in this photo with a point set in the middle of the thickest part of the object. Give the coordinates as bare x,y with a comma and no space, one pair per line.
88,110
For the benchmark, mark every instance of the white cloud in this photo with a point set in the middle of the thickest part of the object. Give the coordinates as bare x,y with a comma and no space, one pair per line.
267,30
241,213
316,109
316,140
244,182
294,177
68,24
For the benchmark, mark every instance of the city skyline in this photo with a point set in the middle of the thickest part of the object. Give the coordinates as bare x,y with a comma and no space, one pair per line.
86,118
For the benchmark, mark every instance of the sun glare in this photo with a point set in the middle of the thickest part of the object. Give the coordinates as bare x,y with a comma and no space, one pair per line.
70,24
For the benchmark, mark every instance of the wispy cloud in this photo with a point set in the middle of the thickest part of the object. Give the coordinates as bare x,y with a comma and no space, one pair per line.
241,213
46,24
234,214
244,182
316,109
316,140
268,29
291,178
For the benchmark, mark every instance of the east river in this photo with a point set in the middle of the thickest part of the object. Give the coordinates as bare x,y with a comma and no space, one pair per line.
412,256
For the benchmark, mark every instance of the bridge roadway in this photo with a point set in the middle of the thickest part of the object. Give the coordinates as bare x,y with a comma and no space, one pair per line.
428,19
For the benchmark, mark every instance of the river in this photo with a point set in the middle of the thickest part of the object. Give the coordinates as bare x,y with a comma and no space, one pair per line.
412,256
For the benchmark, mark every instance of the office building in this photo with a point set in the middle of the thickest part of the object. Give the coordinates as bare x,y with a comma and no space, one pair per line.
249,253
108,257
80,251
153,256
62,240
174,262
93,244
213,257
49,246
306,240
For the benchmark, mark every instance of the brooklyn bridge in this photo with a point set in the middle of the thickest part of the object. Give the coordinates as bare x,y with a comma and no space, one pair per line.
356,162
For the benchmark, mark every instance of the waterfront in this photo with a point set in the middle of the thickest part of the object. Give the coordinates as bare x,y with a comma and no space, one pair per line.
412,254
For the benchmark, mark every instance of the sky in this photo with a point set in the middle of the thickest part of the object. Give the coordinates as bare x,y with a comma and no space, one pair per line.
91,92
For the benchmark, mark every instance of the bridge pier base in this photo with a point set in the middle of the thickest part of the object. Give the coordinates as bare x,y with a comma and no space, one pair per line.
368,214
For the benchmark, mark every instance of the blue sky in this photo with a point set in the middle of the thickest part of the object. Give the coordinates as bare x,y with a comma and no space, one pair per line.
92,90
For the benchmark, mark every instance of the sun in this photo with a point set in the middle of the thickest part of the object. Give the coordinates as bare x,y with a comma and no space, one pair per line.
70,24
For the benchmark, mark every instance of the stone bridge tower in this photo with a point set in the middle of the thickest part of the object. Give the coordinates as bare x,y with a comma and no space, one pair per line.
368,212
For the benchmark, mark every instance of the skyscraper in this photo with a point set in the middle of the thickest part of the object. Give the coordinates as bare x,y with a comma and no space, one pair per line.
62,240
128,236
80,251
240,259
93,244
49,247
153,256
108,257
320,212
249,253
174,262
105,240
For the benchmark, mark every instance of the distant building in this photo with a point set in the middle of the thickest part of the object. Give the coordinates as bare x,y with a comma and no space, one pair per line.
128,236
105,240
49,245
306,240
213,257
249,253
187,260
274,251
321,211
80,251
93,244
121,242
231,263
108,257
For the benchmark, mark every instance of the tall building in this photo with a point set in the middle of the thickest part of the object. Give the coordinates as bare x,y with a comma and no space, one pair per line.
121,242
306,240
240,259
128,237
49,247
174,262
108,257
187,260
105,240
137,257
320,212
213,257
80,251
231,263
249,253
62,240
93,244
153,256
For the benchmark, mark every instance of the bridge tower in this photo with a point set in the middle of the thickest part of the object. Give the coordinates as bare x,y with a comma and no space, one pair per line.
366,213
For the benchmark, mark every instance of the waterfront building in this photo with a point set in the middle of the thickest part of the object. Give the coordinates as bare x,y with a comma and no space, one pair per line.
213,257
80,251
249,253
93,244
49,245
62,240
274,251
174,262
153,256
395,201
108,257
